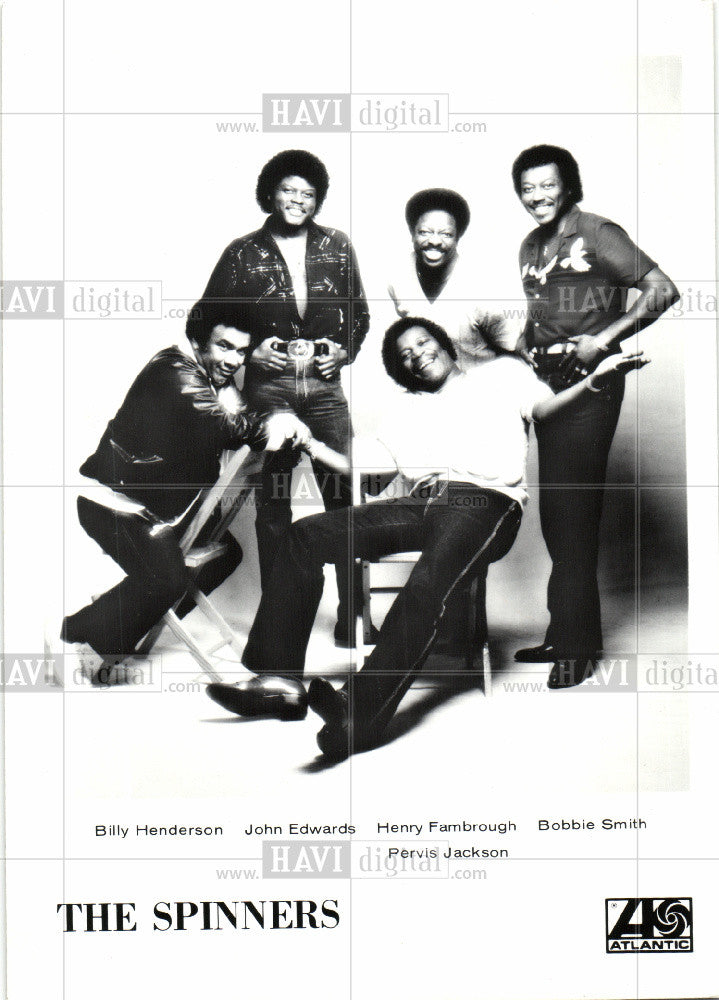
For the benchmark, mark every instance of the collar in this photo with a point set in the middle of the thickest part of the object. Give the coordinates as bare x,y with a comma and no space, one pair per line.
571,221
264,235
571,224
189,352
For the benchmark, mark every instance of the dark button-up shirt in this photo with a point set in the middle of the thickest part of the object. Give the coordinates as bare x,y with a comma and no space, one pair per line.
580,285
253,275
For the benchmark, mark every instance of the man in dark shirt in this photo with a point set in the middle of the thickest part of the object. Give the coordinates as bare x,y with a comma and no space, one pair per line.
156,455
299,286
577,269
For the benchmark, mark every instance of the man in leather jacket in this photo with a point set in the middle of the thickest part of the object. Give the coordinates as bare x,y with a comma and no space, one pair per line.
159,451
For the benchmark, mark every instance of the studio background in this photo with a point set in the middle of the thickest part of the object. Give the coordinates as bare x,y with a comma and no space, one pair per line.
137,182
158,198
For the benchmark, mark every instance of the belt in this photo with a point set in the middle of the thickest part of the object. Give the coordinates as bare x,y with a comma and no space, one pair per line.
299,350
300,359
563,347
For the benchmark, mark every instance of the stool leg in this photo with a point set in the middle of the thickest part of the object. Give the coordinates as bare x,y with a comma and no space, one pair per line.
181,633
478,632
145,647
211,612
481,630
486,671
471,627
366,609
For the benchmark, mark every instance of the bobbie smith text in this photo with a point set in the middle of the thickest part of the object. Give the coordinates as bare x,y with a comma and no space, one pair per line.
242,915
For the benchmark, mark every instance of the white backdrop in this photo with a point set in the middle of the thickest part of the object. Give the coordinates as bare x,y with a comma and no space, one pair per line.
114,168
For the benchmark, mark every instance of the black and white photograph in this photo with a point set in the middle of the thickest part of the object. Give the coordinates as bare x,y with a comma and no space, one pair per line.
359,500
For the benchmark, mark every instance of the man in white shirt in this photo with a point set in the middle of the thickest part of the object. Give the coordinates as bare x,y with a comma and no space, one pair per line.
461,442
439,284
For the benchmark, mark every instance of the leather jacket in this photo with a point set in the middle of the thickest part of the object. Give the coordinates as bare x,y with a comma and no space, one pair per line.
164,443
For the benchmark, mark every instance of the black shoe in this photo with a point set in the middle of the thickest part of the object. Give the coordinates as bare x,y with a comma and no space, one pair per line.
345,637
331,706
338,738
570,672
264,697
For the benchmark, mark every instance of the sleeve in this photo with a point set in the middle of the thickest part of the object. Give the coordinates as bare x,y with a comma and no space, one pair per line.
224,280
225,429
522,257
623,258
359,312
530,390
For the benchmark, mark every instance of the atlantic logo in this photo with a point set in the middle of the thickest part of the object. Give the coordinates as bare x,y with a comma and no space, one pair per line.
648,924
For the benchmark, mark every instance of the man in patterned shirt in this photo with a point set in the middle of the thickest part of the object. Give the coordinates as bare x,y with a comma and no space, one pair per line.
577,269
299,285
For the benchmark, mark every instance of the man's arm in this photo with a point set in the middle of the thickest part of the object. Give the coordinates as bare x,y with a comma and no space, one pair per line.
224,278
495,330
358,309
221,428
617,364
657,294
371,458
368,454
357,325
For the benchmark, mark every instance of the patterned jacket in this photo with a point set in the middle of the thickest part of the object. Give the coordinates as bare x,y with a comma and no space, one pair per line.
252,274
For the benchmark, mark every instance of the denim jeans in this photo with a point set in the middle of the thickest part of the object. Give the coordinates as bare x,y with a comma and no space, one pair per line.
321,404
458,528
573,453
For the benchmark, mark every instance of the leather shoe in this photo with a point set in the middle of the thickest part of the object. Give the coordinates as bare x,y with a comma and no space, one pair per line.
331,706
265,697
570,672
338,738
345,637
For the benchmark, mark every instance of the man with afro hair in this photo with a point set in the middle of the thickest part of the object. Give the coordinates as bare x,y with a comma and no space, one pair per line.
299,289
459,440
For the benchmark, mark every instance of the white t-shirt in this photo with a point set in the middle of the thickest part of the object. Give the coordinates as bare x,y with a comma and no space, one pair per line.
474,430
459,310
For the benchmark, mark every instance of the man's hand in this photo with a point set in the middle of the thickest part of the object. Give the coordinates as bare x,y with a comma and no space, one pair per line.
580,361
286,429
616,364
606,370
329,364
523,351
266,357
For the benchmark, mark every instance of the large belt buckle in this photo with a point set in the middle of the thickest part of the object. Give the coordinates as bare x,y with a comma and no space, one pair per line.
552,350
300,350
